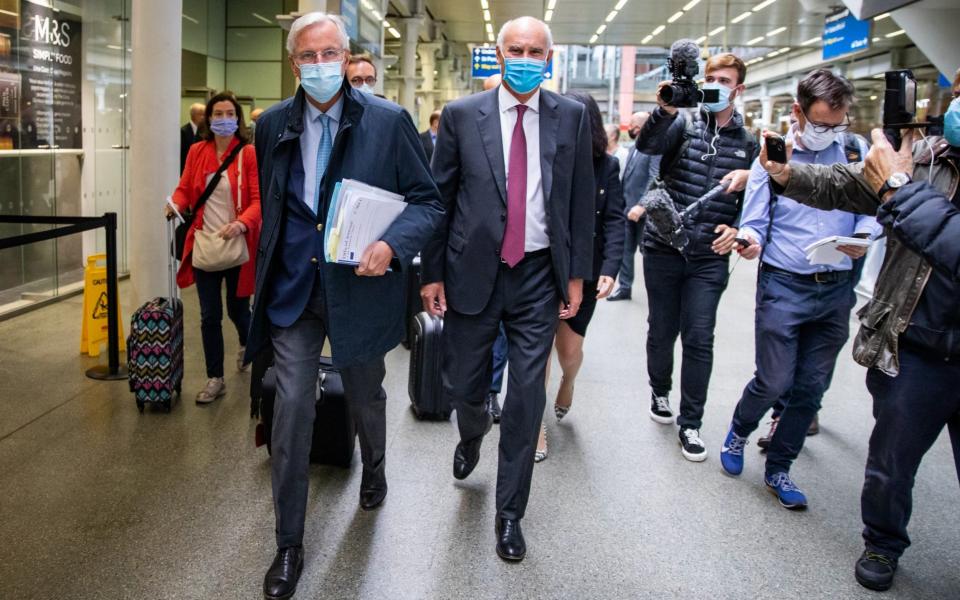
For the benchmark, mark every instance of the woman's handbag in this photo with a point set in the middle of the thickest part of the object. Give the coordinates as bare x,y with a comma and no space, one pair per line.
180,236
213,253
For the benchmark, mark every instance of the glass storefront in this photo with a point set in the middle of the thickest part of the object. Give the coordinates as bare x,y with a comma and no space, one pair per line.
64,130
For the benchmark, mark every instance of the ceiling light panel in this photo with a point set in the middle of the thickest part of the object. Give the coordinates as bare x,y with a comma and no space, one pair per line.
740,17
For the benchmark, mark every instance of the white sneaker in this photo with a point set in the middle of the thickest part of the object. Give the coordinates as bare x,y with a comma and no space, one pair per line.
213,390
241,366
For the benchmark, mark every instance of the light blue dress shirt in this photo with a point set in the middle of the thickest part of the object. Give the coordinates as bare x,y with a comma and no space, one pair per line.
796,226
310,144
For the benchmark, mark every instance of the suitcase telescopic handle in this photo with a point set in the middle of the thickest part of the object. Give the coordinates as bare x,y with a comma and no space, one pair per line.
171,231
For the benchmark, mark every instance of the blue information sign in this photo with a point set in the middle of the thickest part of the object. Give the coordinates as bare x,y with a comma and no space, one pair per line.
485,64
844,34
348,10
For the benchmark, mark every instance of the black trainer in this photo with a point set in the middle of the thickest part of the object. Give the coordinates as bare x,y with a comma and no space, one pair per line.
691,445
660,409
875,571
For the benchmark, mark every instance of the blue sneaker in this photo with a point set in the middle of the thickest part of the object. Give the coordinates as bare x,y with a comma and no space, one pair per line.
787,492
731,454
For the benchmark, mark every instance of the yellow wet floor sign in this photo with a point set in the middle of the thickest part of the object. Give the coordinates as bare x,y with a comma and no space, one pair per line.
94,329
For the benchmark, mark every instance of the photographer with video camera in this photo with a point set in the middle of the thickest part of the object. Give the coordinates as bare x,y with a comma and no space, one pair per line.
698,152
910,331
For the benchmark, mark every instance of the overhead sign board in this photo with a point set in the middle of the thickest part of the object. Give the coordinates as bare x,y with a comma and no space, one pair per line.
484,64
844,34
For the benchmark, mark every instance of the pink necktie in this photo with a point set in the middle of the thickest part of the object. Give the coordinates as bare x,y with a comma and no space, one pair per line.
513,238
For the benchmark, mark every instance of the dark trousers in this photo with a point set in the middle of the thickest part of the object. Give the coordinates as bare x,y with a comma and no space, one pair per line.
911,410
683,295
209,285
801,325
499,361
526,301
297,350
632,241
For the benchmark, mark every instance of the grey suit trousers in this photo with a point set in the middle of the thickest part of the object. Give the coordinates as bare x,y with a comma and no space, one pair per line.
297,351
525,298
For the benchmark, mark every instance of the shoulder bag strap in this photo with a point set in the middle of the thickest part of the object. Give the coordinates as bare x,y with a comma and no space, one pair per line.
214,181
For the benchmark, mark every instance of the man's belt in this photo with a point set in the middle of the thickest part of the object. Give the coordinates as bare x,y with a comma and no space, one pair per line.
819,277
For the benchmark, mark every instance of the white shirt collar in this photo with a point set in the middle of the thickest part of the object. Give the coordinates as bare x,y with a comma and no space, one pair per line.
508,100
334,112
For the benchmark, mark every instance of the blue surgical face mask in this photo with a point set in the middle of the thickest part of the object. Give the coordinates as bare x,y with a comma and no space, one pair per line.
322,80
951,124
224,126
724,101
367,89
523,75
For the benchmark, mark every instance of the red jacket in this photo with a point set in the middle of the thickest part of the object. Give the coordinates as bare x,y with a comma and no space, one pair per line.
201,162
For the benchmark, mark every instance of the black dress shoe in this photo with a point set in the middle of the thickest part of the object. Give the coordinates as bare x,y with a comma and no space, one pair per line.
875,571
493,405
373,487
510,543
281,580
467,454
619,295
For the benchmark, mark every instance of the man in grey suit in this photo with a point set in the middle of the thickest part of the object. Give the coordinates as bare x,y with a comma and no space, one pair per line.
515,173
641,170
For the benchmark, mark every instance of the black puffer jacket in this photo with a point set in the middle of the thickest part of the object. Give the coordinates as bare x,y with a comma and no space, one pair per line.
688,172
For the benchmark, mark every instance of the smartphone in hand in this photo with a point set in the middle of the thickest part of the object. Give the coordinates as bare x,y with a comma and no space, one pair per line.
776,149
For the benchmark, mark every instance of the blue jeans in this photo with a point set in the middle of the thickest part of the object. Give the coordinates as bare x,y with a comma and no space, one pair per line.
631,241
683,295
801,325
911,410
209,285
499,361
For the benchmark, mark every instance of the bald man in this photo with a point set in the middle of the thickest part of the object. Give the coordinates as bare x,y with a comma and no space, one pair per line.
190,133
491,82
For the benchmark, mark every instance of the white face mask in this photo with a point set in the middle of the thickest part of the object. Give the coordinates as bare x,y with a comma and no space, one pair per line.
367,89
813,141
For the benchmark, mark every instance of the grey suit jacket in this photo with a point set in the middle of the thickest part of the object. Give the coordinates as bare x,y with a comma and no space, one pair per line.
469,169
641,170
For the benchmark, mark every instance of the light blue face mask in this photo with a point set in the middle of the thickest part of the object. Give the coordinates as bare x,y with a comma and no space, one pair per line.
951,124
523,75
224,126
724,101
367,89
322,80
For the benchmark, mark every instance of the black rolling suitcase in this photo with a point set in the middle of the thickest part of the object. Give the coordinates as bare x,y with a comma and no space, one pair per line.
412,302
427,399
334,433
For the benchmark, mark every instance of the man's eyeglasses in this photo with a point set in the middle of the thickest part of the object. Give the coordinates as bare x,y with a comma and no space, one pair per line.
310,57
358,81
821,128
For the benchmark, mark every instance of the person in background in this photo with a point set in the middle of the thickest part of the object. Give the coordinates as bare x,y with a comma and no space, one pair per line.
429,137
641,171
362,73
191,132
802,309
607,253
613,146
254,115
232,210
492,81
700,151
327,132
515,247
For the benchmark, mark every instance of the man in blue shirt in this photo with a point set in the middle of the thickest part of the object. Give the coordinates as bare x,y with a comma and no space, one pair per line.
803,310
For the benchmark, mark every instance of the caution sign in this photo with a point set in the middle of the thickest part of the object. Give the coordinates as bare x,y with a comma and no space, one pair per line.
94,332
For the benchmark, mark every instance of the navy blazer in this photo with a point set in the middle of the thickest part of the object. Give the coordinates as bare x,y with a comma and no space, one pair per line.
469,168
609,230
377,144
641,171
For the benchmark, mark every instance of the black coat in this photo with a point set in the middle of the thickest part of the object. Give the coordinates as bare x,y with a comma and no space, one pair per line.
469,168
609,229
376,144
187,139
689,169
427,143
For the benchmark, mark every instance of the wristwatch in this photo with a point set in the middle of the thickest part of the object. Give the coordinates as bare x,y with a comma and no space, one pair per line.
894,183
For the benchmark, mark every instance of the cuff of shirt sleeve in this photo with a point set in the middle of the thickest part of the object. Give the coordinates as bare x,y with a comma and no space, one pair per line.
745,231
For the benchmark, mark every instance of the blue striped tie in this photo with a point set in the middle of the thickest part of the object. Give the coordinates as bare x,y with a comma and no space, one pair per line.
323,157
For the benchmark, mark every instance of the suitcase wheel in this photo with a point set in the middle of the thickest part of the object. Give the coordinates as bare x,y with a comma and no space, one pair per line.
140,407
167,406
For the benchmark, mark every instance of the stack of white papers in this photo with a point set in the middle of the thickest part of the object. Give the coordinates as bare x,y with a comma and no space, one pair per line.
824,252
359,216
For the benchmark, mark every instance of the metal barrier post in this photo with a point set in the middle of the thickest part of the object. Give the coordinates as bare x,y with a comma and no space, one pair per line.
113,370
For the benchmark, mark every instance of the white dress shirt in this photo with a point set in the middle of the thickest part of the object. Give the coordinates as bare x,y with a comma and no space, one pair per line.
535,236
310,143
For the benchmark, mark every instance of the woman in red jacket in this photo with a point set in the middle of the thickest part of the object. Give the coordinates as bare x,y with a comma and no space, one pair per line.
231,211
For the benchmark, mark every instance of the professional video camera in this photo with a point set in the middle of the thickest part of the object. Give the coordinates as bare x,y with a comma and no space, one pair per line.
900,107
684,66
